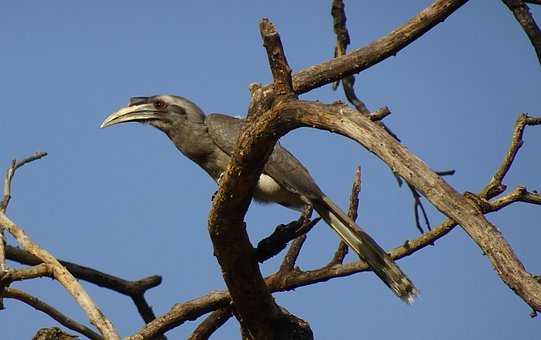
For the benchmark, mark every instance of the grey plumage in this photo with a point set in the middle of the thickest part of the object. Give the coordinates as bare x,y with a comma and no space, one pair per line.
210,140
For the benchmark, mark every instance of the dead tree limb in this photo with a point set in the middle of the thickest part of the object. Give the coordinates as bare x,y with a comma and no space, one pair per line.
37,304
521,11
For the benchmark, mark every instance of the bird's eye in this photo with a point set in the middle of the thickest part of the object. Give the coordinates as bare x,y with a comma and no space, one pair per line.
160,104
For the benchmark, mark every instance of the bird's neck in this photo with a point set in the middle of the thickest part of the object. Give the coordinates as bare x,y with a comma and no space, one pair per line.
195,143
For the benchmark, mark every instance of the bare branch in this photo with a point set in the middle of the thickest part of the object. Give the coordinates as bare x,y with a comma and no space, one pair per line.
11,172
379,114
12,275
61,274
181,313
525,19
296,278
293,253
519,194
64,320
283,233
256,310
214,321
414,171
342,41
342,250
53,333
276,282
134,289
496,186
281,72
360,59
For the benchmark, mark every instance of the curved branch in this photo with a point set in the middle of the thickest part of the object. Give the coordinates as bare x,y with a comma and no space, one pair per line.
277,282
133,289
60,273
360,59
348,122
295,278
521,11
214,321
36,303
63,276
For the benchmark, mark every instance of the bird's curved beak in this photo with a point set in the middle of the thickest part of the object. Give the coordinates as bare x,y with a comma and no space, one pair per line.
131,113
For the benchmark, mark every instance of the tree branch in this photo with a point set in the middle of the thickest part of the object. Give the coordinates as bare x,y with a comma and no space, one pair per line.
525,19
345,121
259,315
61,274
214,321
296,278
133,289
360,59
37,304
496,186
342,250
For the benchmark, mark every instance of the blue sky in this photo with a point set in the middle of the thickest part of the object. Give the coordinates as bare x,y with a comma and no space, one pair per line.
124,201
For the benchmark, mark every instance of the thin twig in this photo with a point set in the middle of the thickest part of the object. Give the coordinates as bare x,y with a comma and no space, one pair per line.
64,320
10,172
348,82
342,249
495,186
418,203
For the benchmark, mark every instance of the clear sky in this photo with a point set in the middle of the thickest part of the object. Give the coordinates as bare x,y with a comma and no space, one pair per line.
124,201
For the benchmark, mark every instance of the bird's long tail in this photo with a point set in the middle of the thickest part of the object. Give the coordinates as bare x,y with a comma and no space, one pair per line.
367,249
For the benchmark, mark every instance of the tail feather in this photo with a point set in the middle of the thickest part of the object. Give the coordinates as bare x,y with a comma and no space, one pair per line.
367,249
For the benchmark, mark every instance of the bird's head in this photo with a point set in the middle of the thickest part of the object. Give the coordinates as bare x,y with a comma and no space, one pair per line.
163,112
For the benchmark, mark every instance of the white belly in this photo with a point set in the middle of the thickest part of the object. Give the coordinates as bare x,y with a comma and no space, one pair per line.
268,191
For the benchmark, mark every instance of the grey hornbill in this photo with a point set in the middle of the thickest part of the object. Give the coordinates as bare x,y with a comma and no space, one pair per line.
209,141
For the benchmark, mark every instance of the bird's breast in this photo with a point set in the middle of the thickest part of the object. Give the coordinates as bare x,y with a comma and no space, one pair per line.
269,191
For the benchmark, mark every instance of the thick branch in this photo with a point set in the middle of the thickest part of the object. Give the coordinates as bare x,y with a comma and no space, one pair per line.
525,19
296,278
374,138
259,315
51,311
277,282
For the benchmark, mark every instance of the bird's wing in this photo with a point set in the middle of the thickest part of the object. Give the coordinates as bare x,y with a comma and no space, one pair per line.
282,166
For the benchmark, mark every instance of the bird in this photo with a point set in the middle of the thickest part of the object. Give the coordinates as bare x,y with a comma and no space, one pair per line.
209,141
